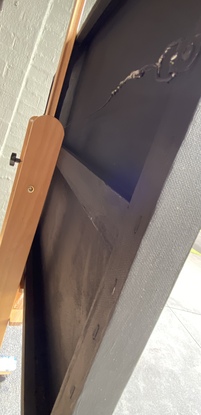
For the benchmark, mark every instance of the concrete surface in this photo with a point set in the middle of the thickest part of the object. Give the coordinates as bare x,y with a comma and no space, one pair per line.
10,389
167,379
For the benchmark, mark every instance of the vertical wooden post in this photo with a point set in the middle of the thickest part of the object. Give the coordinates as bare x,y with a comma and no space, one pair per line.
65,57
39,155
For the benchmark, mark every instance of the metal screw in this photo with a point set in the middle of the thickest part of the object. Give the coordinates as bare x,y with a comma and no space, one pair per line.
31,189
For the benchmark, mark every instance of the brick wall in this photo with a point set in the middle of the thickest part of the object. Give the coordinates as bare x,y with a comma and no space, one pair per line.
31,38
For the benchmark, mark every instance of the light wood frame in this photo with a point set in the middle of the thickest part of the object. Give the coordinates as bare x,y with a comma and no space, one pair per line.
38,159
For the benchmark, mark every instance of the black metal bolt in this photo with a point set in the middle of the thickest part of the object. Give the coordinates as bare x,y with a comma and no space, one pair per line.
14,159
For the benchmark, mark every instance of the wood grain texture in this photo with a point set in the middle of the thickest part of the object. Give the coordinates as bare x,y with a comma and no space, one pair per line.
65,57
39,155
16,315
